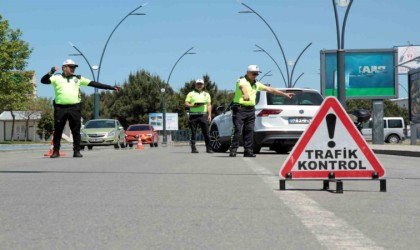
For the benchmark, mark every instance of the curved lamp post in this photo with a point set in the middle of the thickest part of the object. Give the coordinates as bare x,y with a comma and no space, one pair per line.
96,94
84,57
163,90
260,49
266,74
289,76
341,61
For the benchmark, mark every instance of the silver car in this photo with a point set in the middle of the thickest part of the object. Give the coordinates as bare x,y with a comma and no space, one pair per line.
102,132
279,121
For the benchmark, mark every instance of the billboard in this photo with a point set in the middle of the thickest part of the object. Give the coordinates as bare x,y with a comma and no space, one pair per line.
407,58
156,120
414,95
370,73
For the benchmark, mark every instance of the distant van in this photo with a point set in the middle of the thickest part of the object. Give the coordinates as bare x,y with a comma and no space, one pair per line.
393,130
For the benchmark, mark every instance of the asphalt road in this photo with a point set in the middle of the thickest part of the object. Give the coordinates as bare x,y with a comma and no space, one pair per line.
168,198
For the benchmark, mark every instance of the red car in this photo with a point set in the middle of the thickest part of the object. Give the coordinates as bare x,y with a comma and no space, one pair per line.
146,132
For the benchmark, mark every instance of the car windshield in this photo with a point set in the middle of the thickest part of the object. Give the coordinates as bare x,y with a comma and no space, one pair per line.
100,124
139,128
300,98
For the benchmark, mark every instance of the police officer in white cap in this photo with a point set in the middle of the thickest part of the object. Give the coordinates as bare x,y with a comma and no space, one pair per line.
199,103
243,109
67,104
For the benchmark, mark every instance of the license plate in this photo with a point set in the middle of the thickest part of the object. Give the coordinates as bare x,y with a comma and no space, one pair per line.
299,120
96,140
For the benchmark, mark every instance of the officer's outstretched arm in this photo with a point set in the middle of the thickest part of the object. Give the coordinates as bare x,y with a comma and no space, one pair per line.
278,92
103,86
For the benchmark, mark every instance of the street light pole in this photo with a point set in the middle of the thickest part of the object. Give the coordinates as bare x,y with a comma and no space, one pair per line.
341,61
84,57
272,31
96,95
260,49
289,77
165,139
266,74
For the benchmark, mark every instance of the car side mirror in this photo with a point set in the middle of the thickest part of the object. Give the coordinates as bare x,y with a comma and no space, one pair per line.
120,127
220,110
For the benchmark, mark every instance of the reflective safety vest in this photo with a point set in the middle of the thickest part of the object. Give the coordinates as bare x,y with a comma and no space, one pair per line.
197,97
67,89
251,89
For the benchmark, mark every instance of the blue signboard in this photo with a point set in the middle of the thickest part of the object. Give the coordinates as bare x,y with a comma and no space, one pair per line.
369,74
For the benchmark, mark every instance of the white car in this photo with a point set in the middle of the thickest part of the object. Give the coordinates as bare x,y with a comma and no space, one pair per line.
393,130
279,121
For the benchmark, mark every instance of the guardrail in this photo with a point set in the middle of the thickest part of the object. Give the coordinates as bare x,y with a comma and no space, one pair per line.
184,135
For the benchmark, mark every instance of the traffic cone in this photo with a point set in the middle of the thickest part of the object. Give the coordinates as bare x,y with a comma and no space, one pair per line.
52,147
139,143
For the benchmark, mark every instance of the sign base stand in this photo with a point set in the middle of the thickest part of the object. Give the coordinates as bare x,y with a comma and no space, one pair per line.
339,183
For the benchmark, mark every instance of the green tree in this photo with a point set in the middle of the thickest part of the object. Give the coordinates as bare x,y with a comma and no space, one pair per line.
16,87
46,123
139,96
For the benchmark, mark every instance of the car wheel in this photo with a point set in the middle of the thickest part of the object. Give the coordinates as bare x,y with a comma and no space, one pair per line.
282,149
393,139
123,143
215,142
89,147
117,145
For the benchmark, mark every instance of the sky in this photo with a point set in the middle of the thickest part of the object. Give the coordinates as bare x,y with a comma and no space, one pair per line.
223,39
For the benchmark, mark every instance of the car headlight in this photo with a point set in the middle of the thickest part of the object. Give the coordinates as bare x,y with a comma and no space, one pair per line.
148,134
112,133
82,134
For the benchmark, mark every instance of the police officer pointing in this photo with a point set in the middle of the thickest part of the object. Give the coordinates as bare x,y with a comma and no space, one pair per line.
199,103
243,109
67,102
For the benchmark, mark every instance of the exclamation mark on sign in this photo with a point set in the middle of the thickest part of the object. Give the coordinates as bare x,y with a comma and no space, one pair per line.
331,119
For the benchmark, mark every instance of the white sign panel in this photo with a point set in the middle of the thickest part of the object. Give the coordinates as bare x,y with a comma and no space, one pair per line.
156,120
407,58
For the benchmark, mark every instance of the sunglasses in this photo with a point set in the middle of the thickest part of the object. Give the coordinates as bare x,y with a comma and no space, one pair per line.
254,73
71,66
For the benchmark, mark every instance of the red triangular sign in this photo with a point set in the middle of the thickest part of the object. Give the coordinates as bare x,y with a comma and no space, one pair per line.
331,144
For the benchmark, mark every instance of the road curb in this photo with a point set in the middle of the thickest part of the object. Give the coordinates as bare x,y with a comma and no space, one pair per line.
397,152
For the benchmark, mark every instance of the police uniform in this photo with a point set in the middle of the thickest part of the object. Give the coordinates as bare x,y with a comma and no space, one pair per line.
67,105
243,115
199,117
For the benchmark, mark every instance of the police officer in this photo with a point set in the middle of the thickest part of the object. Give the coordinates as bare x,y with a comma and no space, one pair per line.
67,104
243,109
199,103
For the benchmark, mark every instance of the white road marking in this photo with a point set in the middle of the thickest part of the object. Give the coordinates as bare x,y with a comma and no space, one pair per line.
331,231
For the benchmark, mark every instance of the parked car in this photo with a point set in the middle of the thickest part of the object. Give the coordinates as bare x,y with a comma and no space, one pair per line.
393,130
102,132
146,132
279,121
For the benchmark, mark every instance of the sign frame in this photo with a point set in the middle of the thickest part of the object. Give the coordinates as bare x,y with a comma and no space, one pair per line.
355,52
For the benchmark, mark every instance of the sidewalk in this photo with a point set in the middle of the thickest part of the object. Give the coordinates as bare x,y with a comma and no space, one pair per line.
396,149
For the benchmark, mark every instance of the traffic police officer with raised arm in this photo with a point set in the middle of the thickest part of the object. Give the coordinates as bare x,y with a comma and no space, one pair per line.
67,102
199,103
243,109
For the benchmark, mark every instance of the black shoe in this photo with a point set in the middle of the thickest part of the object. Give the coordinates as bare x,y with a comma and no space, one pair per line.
56,154
194,150
232,152
77,154
209,150
249,153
